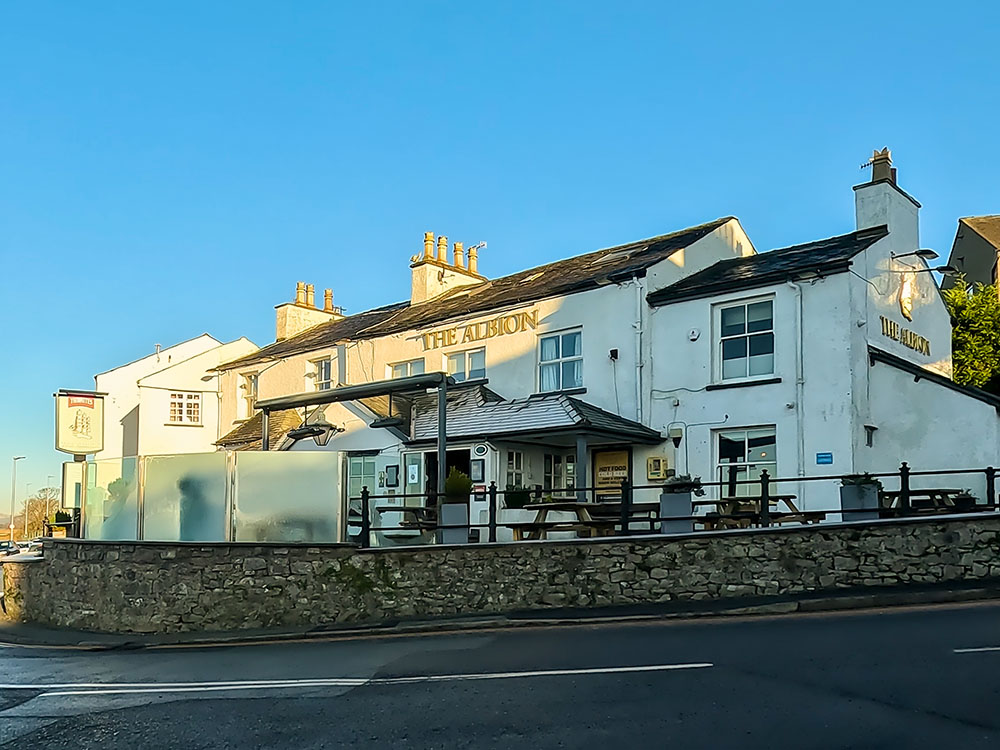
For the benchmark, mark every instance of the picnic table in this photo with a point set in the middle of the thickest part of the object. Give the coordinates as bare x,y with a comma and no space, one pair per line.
933,500
415,517
740,512
539,528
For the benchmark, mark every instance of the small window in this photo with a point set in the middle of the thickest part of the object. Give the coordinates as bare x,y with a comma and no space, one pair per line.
249,394
746,340
470,365
407,369
185,408
743,455
515,469
322,373
560,361
560,471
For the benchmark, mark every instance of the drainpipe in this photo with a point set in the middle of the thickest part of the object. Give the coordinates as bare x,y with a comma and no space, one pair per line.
799,378
638,350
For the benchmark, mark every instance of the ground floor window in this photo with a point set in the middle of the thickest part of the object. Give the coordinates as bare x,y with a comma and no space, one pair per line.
560,471
515,469
360,473
743,455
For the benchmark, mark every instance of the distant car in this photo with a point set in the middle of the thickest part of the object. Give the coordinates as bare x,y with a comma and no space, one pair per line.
9,548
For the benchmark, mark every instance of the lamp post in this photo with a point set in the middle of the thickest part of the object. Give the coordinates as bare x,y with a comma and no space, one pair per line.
48,481
27,506
13,488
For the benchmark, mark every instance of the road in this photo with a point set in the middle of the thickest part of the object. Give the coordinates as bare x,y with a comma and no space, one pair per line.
914,678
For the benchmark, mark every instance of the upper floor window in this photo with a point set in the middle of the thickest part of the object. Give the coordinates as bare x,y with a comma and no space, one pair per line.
185,408
249,395
322,373
746,340
406,369
560,361
470,365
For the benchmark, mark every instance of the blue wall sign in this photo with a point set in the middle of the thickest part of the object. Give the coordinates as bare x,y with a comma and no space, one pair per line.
824,458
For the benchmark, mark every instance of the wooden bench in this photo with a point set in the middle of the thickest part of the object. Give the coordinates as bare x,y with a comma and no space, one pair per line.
539,530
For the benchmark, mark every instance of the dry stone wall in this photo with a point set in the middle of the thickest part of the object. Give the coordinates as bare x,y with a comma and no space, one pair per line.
156,587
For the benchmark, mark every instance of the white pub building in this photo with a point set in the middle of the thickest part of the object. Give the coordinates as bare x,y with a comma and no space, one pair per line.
687,353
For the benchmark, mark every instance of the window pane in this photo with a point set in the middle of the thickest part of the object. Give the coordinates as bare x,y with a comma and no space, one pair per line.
548,463
456,364
761,445
572,344
572,374
399,371
759,317
732,447
734,368
734,349
368,467
477,364
549,380
733,321
762,354
550,348
417,367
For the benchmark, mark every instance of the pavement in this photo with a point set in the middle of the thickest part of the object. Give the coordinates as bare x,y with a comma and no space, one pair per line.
914,677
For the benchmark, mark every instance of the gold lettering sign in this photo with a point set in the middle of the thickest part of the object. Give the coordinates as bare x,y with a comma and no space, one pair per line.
502,325
893,330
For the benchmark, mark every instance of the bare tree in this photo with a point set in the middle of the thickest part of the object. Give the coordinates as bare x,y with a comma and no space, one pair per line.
41,506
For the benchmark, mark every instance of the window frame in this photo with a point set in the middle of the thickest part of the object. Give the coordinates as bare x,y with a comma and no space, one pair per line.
248,400
184,401
771,465
514,466
408,364
467,370
563,479
718,340
559,360
315,373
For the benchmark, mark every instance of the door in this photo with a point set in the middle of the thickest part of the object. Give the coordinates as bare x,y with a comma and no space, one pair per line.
457,459
360,473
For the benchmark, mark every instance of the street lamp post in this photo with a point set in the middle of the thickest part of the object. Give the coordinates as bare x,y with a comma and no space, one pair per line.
48,480
13,490
27,507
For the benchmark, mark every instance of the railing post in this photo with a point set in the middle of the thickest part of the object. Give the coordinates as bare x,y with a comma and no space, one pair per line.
366,519
626,507
493,511
991,485
765,499
904,489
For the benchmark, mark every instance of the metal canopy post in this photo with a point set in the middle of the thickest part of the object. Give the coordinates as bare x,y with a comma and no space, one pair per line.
442,449
581,477
265,441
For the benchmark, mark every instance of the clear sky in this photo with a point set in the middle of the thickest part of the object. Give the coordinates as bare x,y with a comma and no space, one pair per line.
174,168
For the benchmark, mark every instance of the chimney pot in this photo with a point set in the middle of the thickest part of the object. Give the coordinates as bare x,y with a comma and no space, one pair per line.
300,293
442,249
882,166
328,300
310,295
474,259
428,245
459,255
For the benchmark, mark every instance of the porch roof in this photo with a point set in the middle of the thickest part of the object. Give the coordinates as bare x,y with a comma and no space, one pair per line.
552,419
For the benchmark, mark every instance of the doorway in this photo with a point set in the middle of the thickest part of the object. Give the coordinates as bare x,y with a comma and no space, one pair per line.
454,459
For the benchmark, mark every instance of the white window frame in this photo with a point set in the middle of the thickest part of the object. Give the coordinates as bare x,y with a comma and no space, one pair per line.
559,361
320,383
719,339
466,373
248,395
556,473
768,462
184,401
514,469
409,365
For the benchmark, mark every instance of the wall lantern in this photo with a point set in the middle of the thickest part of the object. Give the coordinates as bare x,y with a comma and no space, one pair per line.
320,432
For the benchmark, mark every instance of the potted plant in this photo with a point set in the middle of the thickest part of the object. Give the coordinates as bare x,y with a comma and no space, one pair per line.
859,497
684,483
457,487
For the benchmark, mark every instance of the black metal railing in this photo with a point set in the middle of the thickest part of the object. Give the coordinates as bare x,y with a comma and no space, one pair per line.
618,511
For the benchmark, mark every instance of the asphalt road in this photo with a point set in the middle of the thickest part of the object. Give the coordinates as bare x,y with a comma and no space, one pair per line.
888,679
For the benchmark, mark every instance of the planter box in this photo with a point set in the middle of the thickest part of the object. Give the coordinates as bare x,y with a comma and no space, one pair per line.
859,502
676,504
455,515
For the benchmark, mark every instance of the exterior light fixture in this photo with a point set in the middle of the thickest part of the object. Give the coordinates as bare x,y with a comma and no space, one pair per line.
925,252
320,432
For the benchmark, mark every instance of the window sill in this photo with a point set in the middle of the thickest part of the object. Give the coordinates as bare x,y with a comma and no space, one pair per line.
741,384
183,424
566,392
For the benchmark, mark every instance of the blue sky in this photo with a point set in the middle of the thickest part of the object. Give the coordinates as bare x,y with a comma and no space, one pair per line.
175,168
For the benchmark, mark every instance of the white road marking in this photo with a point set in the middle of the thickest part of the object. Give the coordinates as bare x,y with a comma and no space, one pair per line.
979,650
110,688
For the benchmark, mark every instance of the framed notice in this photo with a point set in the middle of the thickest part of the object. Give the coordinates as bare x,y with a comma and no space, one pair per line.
79,422
610,468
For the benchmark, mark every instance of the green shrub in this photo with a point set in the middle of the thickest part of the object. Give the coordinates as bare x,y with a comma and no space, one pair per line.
457,487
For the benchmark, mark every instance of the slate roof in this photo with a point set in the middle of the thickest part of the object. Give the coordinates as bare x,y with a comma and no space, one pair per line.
988,227
577,274
480,413
247,436
827,256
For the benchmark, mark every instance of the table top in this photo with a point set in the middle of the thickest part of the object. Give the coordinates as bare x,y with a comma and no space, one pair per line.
567,505
932,491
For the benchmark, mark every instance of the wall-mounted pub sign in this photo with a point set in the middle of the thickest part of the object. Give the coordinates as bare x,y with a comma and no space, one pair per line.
79,422
501,325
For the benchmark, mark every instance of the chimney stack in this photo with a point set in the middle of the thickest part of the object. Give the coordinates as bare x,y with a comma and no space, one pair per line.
328,300
442,249
428,245
300,293
459,256
310,295
474,259
882,166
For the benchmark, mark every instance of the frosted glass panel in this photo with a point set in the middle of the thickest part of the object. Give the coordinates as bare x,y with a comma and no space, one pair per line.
184,498
111,508
287,497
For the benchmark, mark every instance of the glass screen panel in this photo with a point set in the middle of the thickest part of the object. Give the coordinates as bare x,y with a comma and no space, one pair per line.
184,498
111,505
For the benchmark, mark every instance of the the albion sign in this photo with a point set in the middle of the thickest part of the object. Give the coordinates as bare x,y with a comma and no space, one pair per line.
904,336
502,325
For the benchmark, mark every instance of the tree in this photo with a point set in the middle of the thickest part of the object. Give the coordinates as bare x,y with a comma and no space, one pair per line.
40,507
975,337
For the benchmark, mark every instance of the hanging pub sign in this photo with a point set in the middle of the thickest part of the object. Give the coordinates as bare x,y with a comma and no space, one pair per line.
610,468
79,422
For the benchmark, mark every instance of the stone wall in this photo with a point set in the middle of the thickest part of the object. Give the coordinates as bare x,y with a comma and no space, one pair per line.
156,587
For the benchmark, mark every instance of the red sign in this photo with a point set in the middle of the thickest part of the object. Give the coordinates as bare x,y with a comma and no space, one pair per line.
81,401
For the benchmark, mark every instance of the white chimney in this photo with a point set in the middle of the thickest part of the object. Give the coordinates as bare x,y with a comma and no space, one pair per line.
433,275
881,201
